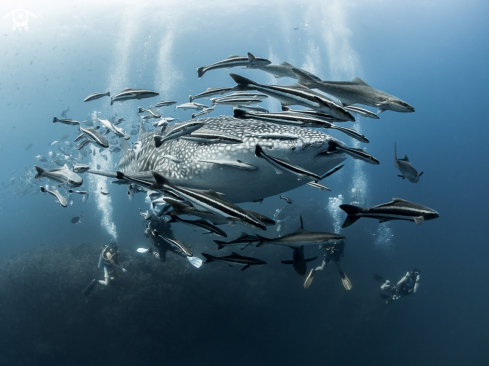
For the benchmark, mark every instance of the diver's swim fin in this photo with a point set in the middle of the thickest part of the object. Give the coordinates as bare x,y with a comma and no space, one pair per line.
346,282
90,288
309,278
378,278
195,261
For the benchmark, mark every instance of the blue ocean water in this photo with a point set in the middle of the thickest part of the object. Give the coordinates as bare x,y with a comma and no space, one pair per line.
432,55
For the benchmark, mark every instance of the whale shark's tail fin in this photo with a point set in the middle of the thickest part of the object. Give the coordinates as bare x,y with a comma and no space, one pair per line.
352,212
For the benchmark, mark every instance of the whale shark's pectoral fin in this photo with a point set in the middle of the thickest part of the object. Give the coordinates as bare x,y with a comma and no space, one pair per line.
247,266
402,176
418,220
420,174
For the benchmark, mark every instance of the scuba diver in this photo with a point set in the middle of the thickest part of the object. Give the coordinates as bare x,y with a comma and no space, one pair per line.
406,286
333,253
110,258
156,229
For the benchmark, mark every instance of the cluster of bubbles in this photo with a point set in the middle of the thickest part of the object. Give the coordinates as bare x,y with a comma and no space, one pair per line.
336,213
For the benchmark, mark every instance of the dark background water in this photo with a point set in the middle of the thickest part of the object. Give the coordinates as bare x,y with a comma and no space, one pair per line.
432,55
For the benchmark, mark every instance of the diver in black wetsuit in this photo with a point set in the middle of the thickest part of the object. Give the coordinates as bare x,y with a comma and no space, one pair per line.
154,229
333,253
406,286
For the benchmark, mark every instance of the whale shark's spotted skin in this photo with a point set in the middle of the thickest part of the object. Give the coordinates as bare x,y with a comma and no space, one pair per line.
237,184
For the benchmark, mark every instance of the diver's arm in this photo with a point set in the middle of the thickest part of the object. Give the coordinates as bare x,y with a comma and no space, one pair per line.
403,279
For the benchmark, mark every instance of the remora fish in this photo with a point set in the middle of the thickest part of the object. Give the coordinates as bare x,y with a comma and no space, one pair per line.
299,120
281,166
285,70
93,136
242,241
353,152
236,101
397,209
210,136
305,152
115,130
234,164
165,103
180,208
251,62
209,200
407,169
361,111
175,243
255,108
178,131
196,106
199,223
301,237
55,193
357,91
210,92
235,259
296,95
129,93
96,96
203,111
67,121
151,112
62,175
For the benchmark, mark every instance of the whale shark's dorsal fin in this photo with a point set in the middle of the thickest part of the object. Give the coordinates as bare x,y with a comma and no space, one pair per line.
124,146
404,159
142,131
359,81
286,64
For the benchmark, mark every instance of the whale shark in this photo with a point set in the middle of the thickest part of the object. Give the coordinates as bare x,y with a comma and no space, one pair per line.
217,166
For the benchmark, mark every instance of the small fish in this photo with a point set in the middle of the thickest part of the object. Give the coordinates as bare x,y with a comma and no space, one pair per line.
64,113
76,219
67,121
286,199
41,158
237,101
60,198
407,169
62,175
95,96
29,146
80,168
104,192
